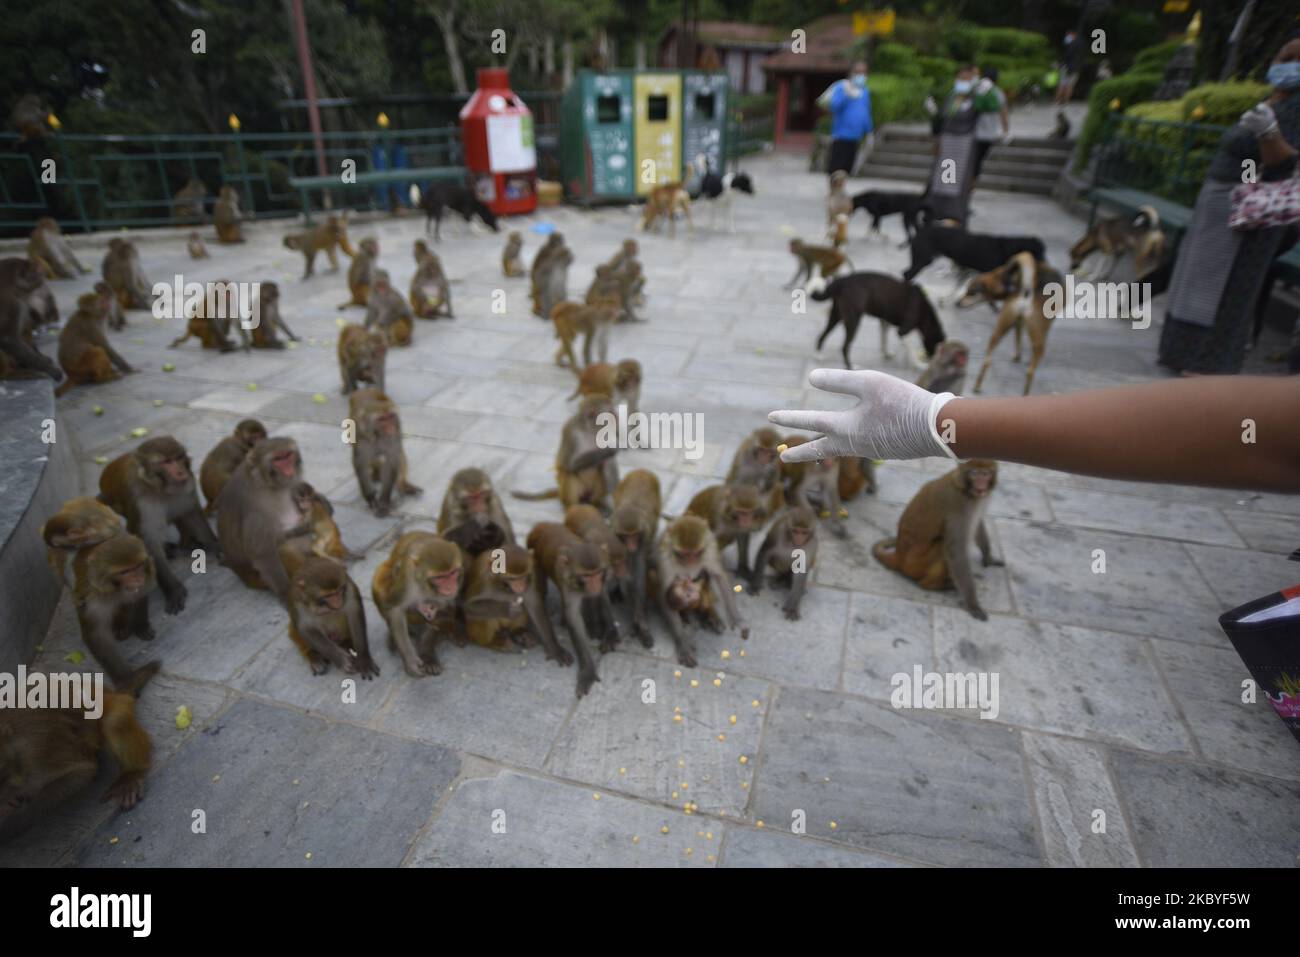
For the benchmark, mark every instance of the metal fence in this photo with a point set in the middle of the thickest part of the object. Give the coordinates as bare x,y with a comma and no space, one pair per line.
1156,156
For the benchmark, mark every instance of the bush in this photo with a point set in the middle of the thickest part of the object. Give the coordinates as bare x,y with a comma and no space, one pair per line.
960,41
1222,103
1155,59
896,59
895,99
1166,111
1130,88
920,35
1008,41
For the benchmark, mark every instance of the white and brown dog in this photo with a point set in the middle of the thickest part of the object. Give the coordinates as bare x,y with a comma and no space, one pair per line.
1020,285
1116,236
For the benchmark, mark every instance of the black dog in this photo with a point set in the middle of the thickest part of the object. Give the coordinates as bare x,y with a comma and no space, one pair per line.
720,190
879,204
454,196
976,251
890,300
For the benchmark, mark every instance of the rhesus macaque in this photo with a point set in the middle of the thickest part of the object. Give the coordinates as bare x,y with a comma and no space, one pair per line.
226,216
688,552
256,510
377,455
27,118
856,476
947,370
116,315
323,238
326,618
630,282
213,317
196,248
790,550
935,532
154,488
361,357
627,252
586,472
187,204
416,589
430,290
225,457
550,275
80,523
111,591
826,258
733,512
635,520
269,319
511,261
758,463
504,607
50,250
578,572
593,322
472,514
123,273
20,279
318,531
588,524
84,350
47,755
816,485
622,382
361,272
387,310
605,289
837,234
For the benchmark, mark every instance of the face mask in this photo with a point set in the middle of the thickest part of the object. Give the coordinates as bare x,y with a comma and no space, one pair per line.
962,86
860,80
1284,76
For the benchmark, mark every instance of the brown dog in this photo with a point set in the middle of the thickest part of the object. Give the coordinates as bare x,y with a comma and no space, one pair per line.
1020,285
1116,236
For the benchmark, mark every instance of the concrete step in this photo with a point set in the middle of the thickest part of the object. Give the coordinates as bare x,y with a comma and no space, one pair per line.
1027,142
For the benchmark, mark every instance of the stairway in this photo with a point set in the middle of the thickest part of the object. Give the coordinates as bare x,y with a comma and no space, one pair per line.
1025,165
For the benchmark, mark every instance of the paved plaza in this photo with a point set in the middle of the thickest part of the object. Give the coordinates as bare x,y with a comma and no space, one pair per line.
1121,737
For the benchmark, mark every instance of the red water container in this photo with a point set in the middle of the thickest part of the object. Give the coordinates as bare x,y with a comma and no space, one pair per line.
500,153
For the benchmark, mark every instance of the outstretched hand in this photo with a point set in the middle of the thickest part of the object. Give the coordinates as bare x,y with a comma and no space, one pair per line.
893,419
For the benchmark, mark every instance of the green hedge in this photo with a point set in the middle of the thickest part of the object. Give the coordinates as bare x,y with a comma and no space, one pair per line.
1223,103
1008,41
895,99
896,59
1154,59
1129,88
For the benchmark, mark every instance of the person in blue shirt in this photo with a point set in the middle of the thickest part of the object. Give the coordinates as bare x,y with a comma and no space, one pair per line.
849,102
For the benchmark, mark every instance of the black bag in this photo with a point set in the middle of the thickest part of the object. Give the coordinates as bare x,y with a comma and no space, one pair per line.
1266,633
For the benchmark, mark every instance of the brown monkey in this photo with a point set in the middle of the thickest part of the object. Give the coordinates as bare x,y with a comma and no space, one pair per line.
187,204
430,290
593,322
388,310
50,250
269,318
935,532
212,318
153,487
826,258
361,272
122,271
196,248
758,463
80,523
256,509
578,572
361,357
227,216
331,234
225,457
84,350
605,288
319,532
503,606
947,370
327,621
416,589
116,316
622,382
635,520
20,280
817,486
377,455
627,252
789,549
630,283
856,476
733,512
111,591
550,275
688,551
48,755
586,470
472,505
511,261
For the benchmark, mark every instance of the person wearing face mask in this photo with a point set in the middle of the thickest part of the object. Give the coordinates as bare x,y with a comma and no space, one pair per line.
1220,271
849,102
954,125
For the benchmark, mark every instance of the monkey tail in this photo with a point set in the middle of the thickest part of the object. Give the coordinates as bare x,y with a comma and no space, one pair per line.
886,553
536,496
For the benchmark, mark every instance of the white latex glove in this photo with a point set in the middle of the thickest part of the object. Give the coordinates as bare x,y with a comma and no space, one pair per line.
1260,119
894,419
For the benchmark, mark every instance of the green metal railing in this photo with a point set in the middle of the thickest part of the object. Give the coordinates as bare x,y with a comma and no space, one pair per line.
1155,156
751,125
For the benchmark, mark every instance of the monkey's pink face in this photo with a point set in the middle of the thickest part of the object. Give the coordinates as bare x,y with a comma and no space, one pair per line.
959,359
764,456
175,469
979,482
476,501
593,583
800,536
447,584
631,542
132,579
387,423
689,559
518,584
332,600
285,464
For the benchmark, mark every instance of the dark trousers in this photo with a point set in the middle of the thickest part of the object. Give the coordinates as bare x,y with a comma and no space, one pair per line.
982,148
843,153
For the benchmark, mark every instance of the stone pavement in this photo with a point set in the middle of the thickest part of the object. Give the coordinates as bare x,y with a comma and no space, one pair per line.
1119,694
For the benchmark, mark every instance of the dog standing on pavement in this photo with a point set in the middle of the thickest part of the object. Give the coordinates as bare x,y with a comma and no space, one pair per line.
440,197
1020,285
1118,235
720,191
881,203
892,301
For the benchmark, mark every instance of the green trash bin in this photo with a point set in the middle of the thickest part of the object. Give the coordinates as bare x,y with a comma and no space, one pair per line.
704,118
596,141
